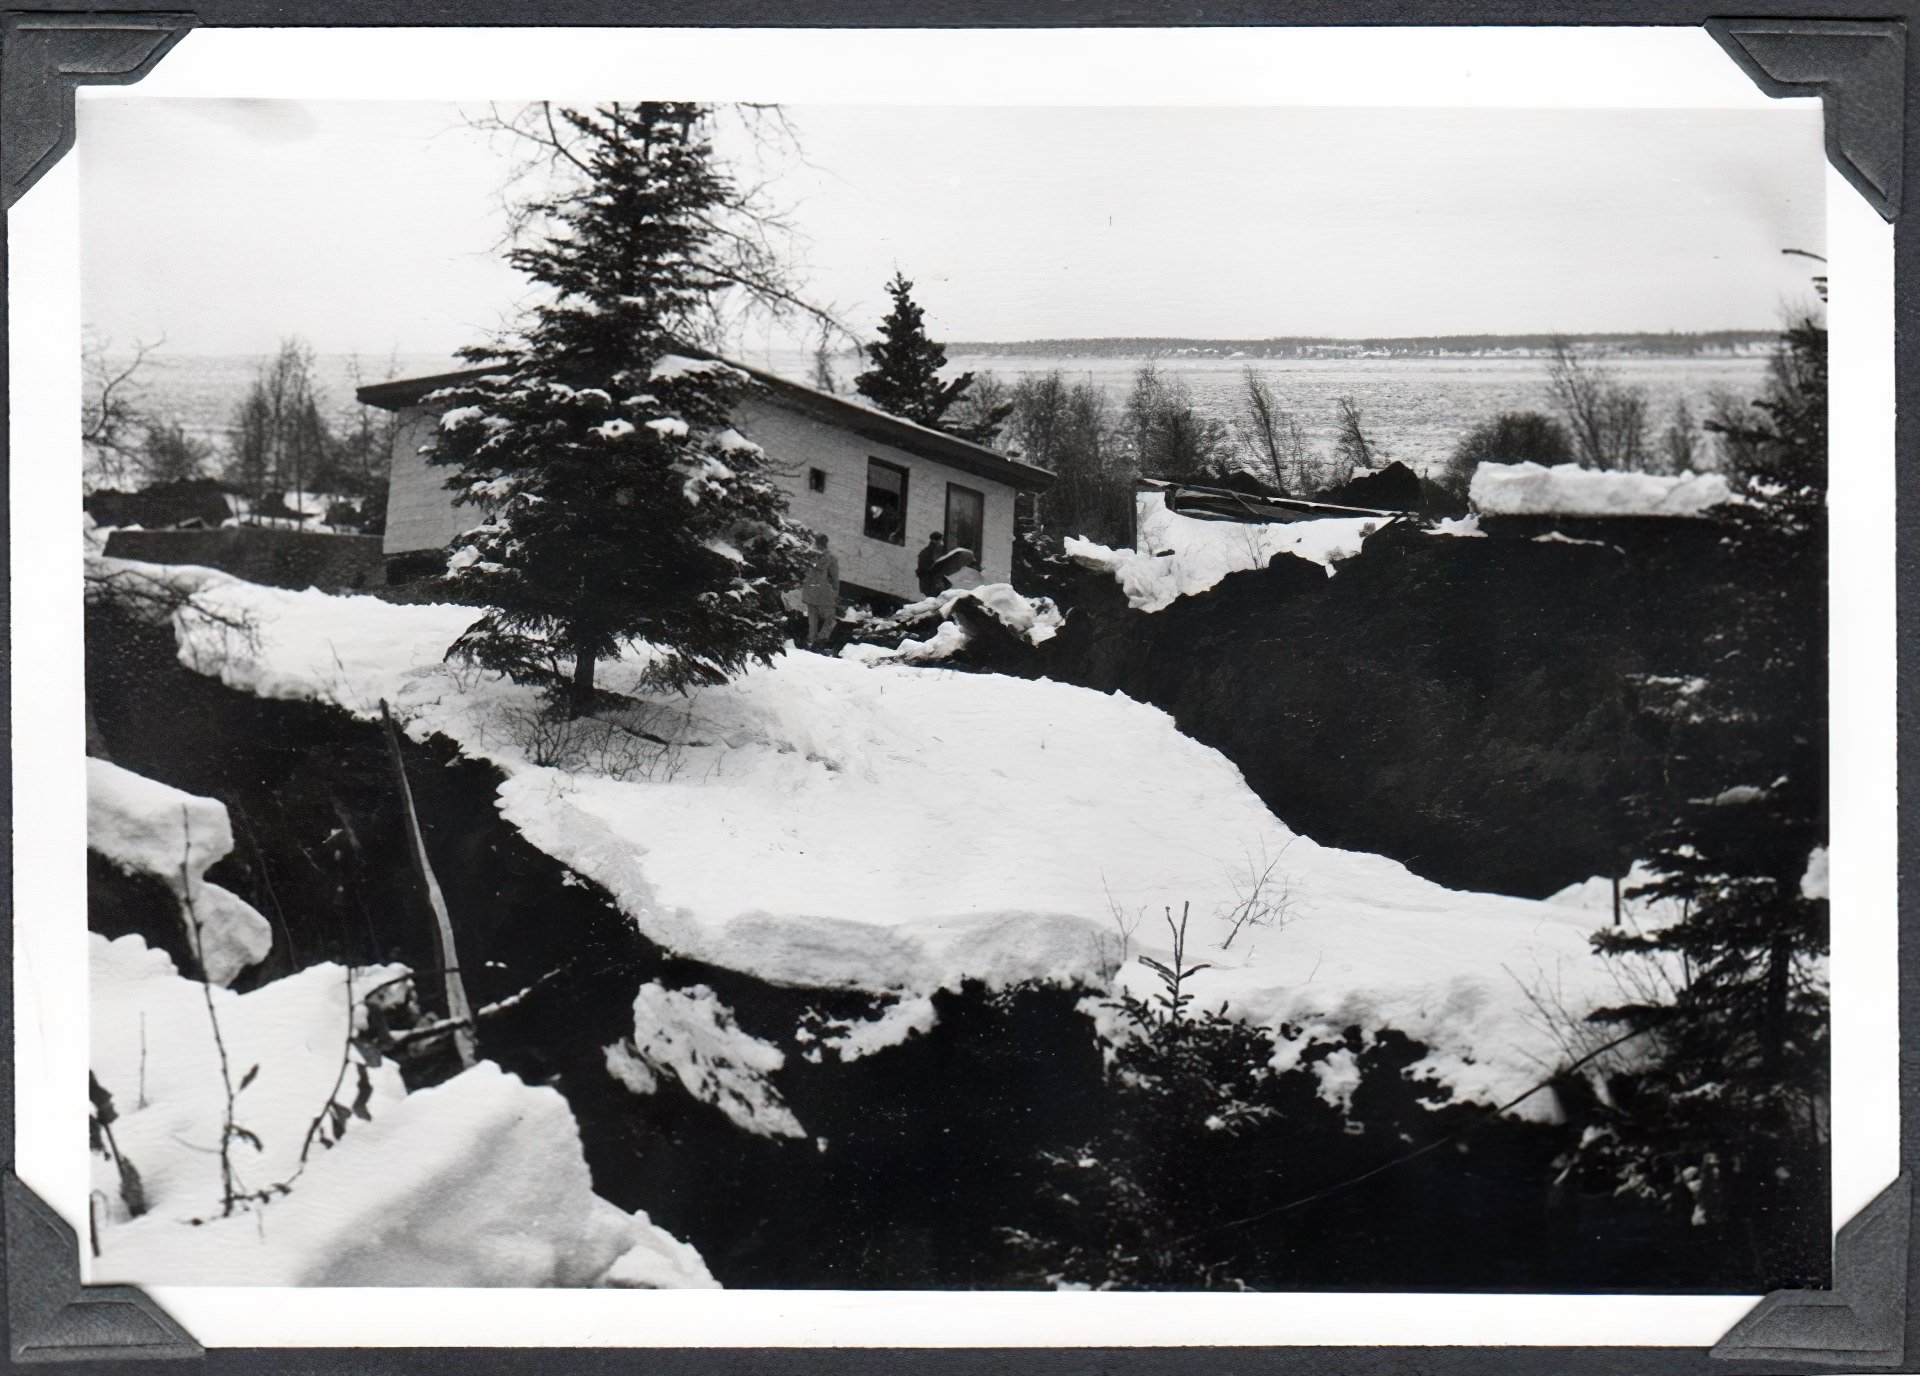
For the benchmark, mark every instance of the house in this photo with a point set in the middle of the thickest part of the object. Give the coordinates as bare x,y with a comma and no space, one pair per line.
875,484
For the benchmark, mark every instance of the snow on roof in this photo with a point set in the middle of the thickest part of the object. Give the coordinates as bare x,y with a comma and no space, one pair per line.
1530,489
1180,556
400,393
896,829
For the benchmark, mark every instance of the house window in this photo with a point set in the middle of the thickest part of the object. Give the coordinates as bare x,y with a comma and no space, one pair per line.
816,480
966,520
886,502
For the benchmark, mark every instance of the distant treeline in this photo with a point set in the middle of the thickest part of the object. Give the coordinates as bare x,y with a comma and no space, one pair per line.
1670,344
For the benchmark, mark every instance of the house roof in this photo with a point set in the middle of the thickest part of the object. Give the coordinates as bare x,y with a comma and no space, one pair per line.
862,419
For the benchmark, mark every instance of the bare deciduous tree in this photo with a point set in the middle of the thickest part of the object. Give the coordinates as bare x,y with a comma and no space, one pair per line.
1171,439
753,249
1271,435
280,440
1072,432
1607,418
113,412
1353,451
1680,441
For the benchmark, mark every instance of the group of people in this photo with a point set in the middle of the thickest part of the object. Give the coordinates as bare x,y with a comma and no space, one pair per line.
820,589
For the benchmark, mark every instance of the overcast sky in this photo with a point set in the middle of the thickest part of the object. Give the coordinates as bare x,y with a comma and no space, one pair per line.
373,227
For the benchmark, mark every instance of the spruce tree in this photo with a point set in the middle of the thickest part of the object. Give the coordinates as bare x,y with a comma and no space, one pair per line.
621,504
905,377
1721,1109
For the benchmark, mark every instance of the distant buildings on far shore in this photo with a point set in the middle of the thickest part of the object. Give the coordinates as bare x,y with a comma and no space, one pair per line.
1713,344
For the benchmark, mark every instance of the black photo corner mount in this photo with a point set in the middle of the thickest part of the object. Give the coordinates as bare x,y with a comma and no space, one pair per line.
43,57
51,1316
1856,67
1861,1323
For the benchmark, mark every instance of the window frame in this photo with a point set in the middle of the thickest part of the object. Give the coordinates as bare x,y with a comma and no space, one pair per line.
866,507
946,521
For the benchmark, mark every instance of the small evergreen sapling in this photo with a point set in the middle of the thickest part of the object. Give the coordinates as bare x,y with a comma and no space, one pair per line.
622,505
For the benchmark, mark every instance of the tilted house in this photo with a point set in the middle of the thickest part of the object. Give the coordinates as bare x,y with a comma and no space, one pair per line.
875,484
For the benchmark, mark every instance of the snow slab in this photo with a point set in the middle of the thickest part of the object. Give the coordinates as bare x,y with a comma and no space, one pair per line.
147,827
477,1181
1181,555
897,830
1567,489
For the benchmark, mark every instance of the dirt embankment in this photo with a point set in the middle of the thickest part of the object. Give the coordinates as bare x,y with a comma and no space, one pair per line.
1477,708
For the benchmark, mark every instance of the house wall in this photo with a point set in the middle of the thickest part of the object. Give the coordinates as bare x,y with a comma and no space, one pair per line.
420,511
421,514
796,442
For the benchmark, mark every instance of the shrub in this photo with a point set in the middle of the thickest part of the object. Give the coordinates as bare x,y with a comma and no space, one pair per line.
1510,437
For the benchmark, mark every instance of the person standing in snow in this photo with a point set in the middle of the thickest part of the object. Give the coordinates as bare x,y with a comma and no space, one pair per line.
932,583
820,593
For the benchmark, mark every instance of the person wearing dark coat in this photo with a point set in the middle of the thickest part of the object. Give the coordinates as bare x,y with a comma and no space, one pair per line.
932,583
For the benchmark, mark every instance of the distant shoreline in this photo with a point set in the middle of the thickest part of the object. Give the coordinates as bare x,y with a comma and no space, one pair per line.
1702,344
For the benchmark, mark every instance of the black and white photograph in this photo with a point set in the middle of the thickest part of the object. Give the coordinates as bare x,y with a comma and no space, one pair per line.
810,696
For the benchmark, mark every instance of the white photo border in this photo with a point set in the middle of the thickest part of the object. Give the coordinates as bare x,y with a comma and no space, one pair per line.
1440,67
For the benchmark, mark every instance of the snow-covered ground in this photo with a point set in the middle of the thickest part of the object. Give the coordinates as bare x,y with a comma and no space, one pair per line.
1181,555
477,1181
827,823
1566,489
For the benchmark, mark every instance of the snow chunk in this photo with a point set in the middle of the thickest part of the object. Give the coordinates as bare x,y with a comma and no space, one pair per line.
1338,1074
459,416
668,367
658,1261
615,429
851,1040
699,471
731,441
1814,883
690,1033
146,827
479,1181
1181,555
948,638
1465,527
1566,489
668,427
1036,620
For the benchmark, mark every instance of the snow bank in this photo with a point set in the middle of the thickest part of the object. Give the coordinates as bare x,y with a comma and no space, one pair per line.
478,1181
1181,555
146,827
1529,489
1595,895
897,830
